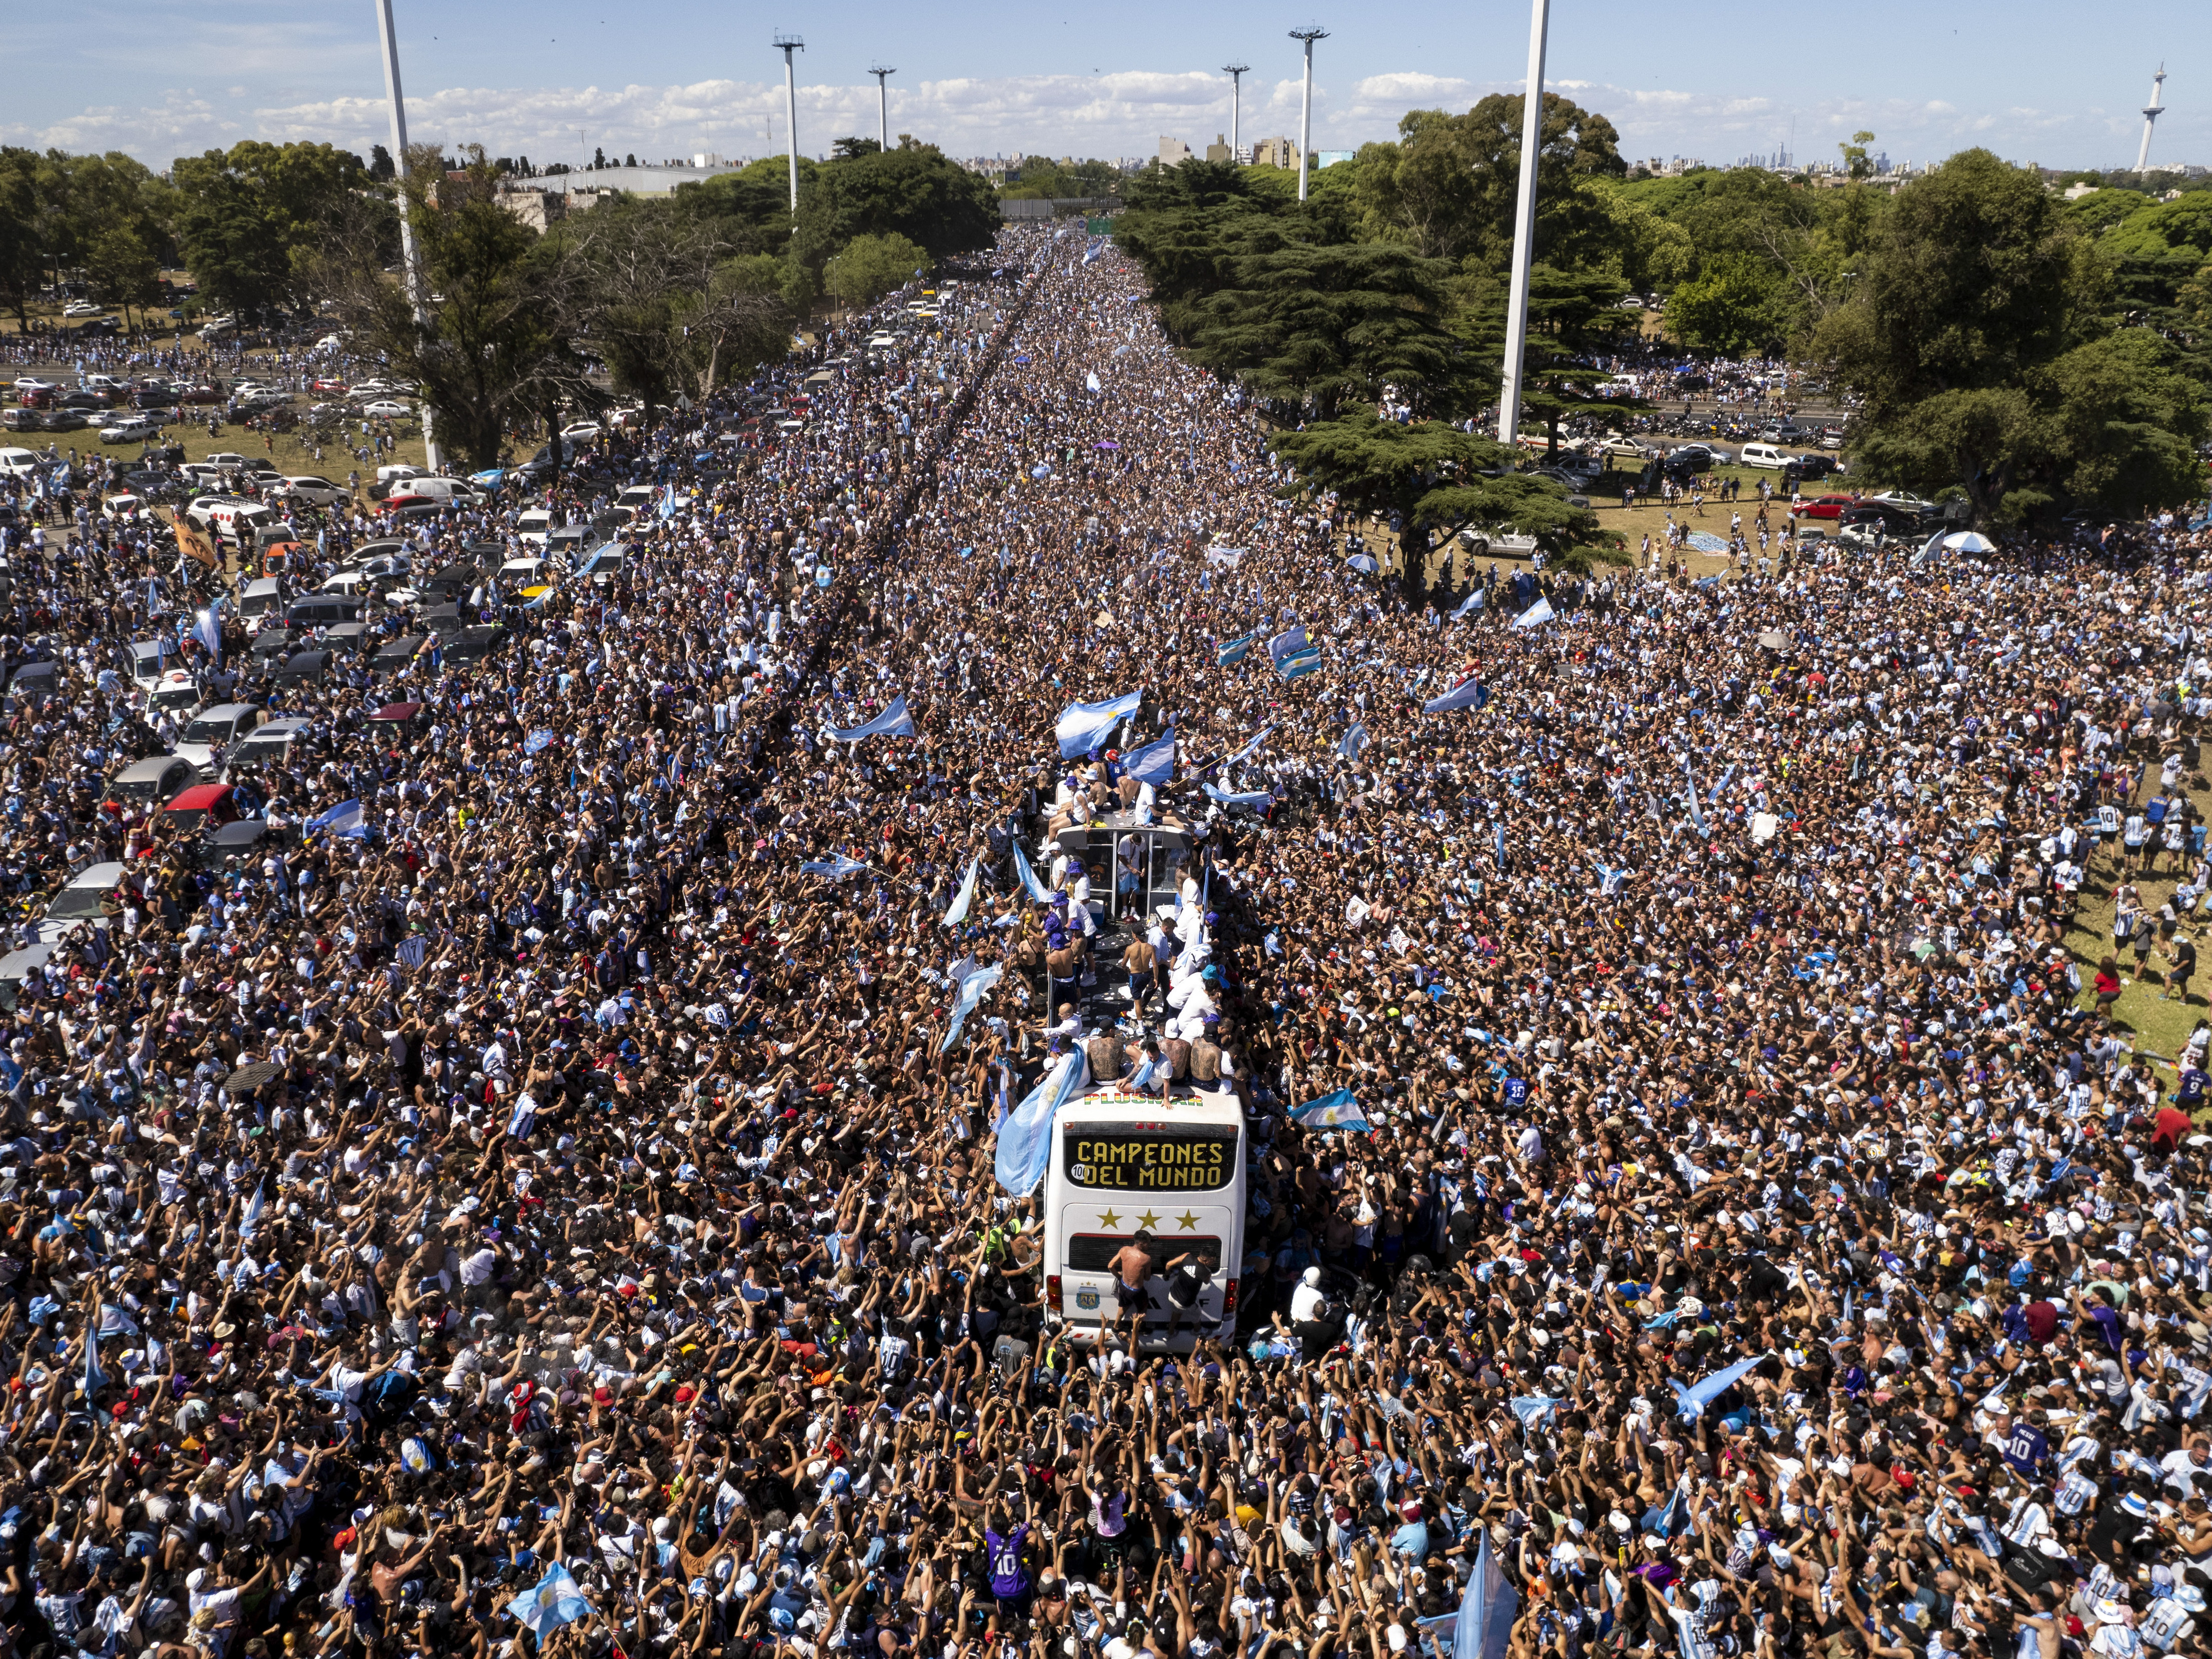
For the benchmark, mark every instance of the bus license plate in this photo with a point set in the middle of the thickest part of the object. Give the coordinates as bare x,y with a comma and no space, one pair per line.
1087,1300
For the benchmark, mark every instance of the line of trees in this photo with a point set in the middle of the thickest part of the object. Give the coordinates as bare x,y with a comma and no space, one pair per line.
2032,355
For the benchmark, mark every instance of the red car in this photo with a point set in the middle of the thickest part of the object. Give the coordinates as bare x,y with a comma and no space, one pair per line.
198,394
36,397
329,383
1827,506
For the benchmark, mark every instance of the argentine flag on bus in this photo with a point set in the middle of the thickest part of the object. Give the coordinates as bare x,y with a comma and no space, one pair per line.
1025,1138
1338,1110
1083,725
1155,763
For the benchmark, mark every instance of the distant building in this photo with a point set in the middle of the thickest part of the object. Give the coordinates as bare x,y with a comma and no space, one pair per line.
1275,153
1218,150
1173,152
534,205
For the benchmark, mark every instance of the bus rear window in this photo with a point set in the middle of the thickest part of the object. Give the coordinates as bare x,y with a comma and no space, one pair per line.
1094,1253
1149,1160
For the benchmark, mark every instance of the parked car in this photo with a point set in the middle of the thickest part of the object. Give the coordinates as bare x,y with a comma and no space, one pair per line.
158,777
269,743
224,724
207,805
385,409
316,492
1827,506
137,429
84,903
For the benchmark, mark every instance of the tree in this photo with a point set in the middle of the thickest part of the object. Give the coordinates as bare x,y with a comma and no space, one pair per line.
380,165
1735,305
868,267
123,268
1323,326
846,148
1855,155
752,206
1978,338
492,346
918,193
1449,185
1436,478
22,255
243,215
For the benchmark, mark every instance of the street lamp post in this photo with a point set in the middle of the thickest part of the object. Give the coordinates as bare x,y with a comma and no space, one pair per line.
1305,106
1236,73
1524,227
883,107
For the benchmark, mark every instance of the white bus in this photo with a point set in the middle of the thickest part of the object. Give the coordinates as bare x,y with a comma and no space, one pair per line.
1174,1168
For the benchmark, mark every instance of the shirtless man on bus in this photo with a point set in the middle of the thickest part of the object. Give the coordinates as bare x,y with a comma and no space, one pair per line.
1141,960
1132,1266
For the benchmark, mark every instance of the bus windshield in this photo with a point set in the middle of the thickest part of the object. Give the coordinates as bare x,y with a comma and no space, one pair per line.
1109,1158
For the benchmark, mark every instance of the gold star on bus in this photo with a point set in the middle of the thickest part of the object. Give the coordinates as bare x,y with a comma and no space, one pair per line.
1187,1221
1148,1219
1108,1219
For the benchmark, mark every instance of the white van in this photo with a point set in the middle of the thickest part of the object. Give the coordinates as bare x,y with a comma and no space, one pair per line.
532,528
1764,455
1121,1163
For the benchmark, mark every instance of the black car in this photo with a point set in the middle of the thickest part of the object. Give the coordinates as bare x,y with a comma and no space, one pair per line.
474,644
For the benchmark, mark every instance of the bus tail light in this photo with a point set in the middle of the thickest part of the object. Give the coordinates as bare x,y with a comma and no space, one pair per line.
1229,1300
1052,1292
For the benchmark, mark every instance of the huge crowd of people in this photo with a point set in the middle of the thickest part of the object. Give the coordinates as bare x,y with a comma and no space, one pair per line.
520,1207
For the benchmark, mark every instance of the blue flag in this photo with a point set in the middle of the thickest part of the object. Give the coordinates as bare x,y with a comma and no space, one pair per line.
1472,603
1025,1138
1258,799
836,868
893,722
1337,1111
94,1378
1083,726
1534,1408
555,1601
536,741
1288,643
1305,662
1696,815
1353,742
1155,763
1234,650
1031,884
1694,1400
971,993
1486,1615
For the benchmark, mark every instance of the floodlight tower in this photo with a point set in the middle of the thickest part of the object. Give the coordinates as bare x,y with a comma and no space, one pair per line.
1236,73
410,274
1524,226
2152,111
883,107
1305,108
787,44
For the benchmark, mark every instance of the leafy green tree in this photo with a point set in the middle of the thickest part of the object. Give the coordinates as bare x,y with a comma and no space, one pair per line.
21,248
918,193
1448,185
1575,317
492,347
122,267
868,267
1856,156
846,148
1735,305
243,215
1979,338
751,207
1437,479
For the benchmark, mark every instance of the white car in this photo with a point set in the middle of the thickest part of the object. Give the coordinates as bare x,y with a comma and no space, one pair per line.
318,492
83,309
582,431
330,343
386,409
18,463
137,429
532,527
31,383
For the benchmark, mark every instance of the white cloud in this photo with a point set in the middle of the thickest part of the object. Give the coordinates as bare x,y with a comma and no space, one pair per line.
1119,114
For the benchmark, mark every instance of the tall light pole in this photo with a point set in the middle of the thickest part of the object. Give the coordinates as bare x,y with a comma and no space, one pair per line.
409,273
1524,227
1236,73
2152,111
1305,106
883,107
787,44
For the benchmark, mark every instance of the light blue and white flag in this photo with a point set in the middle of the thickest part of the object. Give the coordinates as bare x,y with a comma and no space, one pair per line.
1534,1408
1025,1138
249,1222
1289,643
1697,812
1467,694
1155,763
971,993
893,722
345,818
1258,800
1304,662
536,741
1031,884
1472,603
1693,1401
207,627
1484,1626
1336,1110
958,913
1091,379
553,1601
1354,743
1083,726
837,867
1538,612
1234,650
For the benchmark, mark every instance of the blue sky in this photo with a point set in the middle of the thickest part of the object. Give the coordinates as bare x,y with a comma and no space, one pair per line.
2028,80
